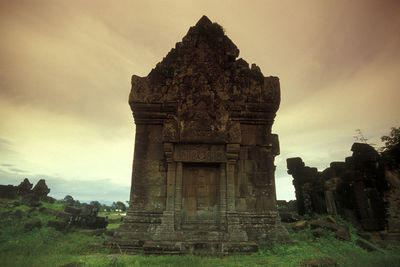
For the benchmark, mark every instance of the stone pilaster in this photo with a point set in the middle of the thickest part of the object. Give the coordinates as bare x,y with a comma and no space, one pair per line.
235,232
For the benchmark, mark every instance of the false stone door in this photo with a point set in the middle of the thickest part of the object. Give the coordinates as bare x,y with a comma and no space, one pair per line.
200,195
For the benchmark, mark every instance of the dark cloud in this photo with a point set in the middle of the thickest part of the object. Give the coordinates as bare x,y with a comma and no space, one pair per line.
6,165
6,148
17,170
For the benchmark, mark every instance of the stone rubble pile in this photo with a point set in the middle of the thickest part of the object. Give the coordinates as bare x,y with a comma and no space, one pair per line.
82,217
360,190
30,196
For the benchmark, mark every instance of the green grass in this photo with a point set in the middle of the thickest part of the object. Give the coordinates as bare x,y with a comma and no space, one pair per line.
110,215
113,217
48,247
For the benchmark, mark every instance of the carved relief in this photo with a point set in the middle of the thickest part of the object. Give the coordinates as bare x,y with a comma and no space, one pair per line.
170,131
200,153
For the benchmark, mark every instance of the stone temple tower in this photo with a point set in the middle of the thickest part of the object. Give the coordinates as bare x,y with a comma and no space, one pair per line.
203,169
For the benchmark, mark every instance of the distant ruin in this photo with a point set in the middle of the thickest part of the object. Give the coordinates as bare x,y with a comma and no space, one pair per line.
203,169
360,189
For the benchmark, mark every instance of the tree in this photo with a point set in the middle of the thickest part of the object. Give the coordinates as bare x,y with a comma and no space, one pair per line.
69,200
359,137
104,207
391,150
121,206
118,206
95,204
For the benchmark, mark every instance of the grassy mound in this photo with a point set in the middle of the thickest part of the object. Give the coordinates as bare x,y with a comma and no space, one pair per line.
45,246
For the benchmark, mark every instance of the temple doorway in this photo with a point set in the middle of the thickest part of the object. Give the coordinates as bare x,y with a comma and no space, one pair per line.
200,196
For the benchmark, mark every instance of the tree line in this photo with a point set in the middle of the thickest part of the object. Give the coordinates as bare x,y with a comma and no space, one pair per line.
115,206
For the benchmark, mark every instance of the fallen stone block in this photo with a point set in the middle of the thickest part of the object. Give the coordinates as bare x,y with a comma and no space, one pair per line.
330,219
318,232
343,234
300,225
288,217
73,210
57,224
18,214
319,262
33,223
365,245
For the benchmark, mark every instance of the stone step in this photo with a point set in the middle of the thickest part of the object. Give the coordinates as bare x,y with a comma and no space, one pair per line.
198,248
199,235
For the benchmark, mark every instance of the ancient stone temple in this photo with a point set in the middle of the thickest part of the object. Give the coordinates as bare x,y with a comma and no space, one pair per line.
203,169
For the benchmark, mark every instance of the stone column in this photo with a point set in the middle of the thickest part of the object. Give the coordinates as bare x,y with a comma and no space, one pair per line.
178,195
166,231
236,234
222,197
232,155
171,170
330,202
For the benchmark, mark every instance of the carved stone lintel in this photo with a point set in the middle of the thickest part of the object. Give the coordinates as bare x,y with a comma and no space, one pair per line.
200,153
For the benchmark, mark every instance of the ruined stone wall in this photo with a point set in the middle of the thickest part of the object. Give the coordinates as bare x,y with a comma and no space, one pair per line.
392,199
357,189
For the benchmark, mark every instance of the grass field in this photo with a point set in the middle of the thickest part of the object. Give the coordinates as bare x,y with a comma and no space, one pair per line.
48,247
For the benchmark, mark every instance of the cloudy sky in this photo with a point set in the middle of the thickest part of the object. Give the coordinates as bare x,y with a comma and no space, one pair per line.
65,69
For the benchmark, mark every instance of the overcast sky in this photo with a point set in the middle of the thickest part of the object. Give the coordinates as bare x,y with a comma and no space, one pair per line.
65,69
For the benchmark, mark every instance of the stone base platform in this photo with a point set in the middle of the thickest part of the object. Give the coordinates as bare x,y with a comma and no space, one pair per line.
195,248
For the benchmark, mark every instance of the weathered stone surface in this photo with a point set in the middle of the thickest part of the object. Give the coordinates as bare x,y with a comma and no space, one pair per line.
319,262
109,232
82,217
46,211
19,214
73,210
33,223
343,234
330,219
31,200
32,210
64,216
29,196
8,192
41,190
59,225
289,217
355,189
93,232
203,166
5,214
365,245
308,187
48,199
24,187
300,225
72,264
325,224
318,232
392,200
